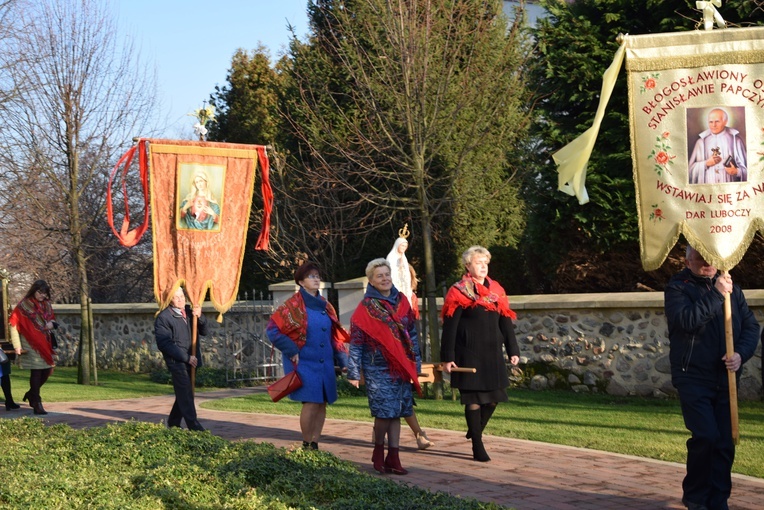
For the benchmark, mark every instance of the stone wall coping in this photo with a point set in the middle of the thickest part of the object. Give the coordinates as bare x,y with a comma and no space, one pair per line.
355,283
754,297
291,286
143,308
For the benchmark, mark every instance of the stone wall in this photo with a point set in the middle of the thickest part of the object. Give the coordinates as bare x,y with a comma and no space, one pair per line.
124,334
616,343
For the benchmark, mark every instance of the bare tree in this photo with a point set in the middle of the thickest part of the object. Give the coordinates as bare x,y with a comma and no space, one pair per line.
85,95
419,119
9,26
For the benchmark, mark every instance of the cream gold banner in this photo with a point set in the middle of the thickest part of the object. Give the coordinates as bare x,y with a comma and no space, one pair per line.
696,102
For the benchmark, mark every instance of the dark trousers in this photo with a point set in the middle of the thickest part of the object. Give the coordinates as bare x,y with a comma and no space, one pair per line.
184,396
710,450
5,381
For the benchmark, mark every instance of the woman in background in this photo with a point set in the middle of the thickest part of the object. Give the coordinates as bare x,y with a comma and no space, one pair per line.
307,332
383,344
477,323
32,322
5,380
404,279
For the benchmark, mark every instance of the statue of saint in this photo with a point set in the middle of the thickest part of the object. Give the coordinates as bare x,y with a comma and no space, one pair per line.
399,265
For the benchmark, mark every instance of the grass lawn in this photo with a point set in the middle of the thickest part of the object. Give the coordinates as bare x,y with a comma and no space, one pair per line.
112,385
642,427
62,386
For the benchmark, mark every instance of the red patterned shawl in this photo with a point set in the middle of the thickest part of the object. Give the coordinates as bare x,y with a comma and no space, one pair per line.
378,319
292,320
467,293
29,318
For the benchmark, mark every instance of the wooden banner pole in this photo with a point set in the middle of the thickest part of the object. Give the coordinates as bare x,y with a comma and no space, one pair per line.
193,350
732,376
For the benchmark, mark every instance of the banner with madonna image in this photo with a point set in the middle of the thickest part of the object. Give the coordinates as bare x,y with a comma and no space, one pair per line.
201,198
697,126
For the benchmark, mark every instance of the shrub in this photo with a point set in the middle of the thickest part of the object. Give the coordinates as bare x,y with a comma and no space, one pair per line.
135,465
345,389
205,378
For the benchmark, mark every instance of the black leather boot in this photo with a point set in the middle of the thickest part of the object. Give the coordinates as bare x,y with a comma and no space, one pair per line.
10,405
476,433
486,411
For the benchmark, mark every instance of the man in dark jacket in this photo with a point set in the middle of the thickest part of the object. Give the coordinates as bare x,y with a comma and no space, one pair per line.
694,301
172,329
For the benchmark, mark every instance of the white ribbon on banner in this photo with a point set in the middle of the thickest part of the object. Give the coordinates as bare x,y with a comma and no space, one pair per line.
710,14
573,158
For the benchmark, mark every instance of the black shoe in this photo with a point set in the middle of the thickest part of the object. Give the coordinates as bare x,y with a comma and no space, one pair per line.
38,409
197,427
314,445
11,406
305,445
478,450
26,396
693,506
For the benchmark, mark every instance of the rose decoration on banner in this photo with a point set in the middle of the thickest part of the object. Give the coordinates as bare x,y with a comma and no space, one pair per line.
661,155
648,82
656,214
204,116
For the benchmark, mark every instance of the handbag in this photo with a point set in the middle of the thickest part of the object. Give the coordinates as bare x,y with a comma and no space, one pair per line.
285,386
3,357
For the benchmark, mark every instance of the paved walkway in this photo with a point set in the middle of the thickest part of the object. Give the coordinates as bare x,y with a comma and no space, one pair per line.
525,475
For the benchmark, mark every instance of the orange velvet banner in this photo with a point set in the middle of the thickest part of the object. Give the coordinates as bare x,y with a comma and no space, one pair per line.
201,196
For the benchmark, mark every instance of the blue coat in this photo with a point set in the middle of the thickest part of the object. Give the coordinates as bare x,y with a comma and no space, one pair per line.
316,364
388,397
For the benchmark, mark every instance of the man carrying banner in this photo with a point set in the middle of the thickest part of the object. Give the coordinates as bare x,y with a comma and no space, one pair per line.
172,329
694,303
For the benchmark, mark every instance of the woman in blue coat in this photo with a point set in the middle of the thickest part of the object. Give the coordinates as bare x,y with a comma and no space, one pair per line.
307,332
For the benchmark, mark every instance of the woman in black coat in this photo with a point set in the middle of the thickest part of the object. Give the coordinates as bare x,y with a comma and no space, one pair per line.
477,322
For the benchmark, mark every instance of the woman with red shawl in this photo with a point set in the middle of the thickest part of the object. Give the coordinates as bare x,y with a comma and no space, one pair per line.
307,332
477,322
383,343
32,322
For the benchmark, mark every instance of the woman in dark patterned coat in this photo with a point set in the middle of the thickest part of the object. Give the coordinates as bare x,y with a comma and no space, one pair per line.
383,343
307,332
477,322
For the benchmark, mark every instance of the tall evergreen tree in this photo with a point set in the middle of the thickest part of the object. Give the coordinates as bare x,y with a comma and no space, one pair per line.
247,111
247,107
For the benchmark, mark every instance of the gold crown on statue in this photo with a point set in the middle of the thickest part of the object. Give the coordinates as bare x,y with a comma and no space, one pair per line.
404,232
